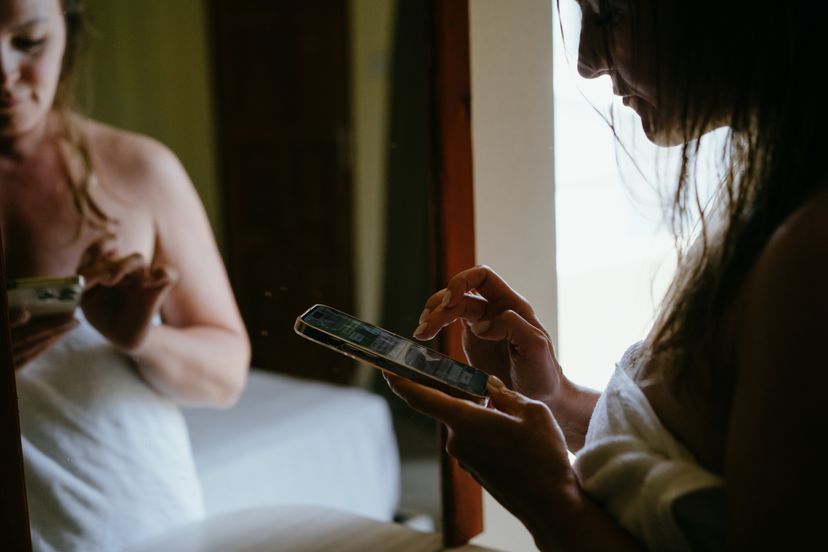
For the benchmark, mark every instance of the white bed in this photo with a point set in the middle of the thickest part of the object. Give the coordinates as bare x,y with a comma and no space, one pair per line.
291,441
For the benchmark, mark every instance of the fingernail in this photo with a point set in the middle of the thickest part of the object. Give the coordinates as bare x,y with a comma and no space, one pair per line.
480,327
424,314
495,384
446,299
420,329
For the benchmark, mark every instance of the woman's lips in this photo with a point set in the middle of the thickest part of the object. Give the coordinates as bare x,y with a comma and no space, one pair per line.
9,102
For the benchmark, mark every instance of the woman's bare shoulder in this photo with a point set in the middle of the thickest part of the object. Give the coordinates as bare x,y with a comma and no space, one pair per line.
130,161
801,242
786,292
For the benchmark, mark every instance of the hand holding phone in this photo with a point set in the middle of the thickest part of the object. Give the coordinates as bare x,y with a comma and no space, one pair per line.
387,351
41,312
45,296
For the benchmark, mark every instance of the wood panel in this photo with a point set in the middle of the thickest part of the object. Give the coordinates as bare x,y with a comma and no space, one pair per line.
462,496
284,127
14,513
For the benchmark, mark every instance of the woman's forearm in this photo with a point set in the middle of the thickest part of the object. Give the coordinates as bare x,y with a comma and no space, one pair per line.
198,365
573,410
569,520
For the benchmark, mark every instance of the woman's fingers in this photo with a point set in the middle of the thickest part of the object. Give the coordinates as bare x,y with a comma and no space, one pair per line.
486,282
161,280
40,334
470,307
132,266
460,415
110,272
161,277
101,248
452,411
511,402
42,329
21,357
18,317
474,294
522,335
432,303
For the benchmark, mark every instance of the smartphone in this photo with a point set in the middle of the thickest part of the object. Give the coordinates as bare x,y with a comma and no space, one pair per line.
45,296
387,351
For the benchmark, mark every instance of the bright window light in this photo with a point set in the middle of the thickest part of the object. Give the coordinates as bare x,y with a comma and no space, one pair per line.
614,252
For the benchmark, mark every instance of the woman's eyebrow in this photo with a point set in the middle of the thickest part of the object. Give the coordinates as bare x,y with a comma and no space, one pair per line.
30,23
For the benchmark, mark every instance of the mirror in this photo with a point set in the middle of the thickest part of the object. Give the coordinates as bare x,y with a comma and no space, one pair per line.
306,131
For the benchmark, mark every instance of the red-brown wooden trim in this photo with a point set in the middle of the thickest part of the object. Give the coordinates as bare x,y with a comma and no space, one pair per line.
14,512
461,495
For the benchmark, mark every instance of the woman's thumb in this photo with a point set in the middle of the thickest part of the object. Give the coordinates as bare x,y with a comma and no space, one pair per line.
503,398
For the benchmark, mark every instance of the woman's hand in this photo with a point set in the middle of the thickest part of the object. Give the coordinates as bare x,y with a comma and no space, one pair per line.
33,336
122,294
516,449
501,334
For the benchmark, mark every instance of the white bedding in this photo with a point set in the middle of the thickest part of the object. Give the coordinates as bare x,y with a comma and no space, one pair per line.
108,463
290,441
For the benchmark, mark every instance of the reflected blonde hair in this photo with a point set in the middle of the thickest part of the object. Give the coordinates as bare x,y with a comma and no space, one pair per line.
79,164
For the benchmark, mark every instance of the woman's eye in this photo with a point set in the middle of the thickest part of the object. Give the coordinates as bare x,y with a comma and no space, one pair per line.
27,44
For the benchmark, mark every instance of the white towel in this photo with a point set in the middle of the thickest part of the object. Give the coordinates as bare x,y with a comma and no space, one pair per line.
636,469
107,459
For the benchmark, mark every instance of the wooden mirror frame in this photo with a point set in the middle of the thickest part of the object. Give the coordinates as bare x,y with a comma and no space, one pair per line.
462,498
14,512
461,495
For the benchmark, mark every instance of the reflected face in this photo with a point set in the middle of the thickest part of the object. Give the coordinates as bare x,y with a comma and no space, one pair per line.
611,44
32,42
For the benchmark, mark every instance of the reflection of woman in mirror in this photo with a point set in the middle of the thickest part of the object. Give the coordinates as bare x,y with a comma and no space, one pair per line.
705,436
106,450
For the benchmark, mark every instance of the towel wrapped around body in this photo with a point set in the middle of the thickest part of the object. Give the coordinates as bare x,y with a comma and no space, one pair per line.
648,481
107,459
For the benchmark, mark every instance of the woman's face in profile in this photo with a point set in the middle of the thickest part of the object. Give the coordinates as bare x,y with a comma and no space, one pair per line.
613,44
32,41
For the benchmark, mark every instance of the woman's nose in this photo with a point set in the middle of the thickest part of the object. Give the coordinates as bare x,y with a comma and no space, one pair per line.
592,55
9,66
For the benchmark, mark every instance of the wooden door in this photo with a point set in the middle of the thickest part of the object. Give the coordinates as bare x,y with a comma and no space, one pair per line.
14,514
462,496
283,110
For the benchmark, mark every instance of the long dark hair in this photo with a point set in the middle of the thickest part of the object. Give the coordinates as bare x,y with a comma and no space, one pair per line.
750,65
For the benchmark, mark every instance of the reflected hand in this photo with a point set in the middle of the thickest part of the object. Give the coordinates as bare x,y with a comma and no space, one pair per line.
33,336
501,334
122,295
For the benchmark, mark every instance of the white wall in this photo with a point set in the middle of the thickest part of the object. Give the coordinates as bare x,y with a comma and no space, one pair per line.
511,65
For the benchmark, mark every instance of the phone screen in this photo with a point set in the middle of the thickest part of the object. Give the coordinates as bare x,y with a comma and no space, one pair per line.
384,345
45,296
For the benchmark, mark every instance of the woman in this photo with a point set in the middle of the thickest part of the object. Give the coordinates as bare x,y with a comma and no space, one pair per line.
106,449
703,438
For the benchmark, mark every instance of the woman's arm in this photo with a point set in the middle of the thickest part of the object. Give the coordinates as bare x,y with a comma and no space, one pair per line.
775,477
200,354
573,412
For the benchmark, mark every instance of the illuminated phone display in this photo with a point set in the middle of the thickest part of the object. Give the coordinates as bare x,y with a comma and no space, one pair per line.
45,296
388,351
